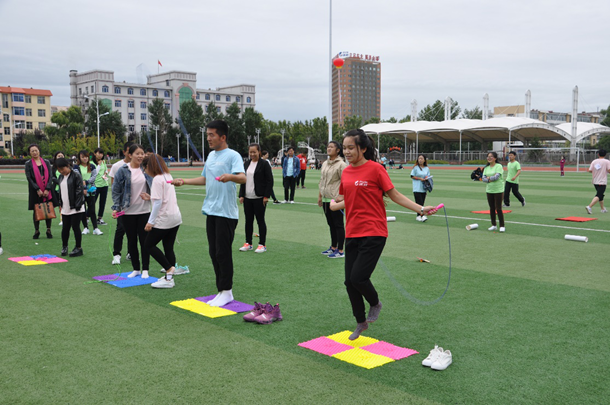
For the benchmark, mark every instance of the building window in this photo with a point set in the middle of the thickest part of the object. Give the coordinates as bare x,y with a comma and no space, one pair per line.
91,89
155,93
142,92
18,111
28,125
217,97
167,82
228,98
7,130
217,109
18,97
166,94
167,106
104,89
6,117
28,112
130,104
248,99
143,116
207,96
28,99
238,99
132,128
117,90
144,128
142,104
42,113
130,91
132,116
80,91
41,125
197,97
117,103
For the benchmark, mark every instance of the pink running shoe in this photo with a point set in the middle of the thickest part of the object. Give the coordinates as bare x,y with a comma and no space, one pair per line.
258,310
271,314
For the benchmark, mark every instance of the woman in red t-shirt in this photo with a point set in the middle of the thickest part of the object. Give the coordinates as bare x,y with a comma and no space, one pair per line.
364,183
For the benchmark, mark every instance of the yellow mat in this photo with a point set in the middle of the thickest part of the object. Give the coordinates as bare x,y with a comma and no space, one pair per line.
31,262
362,358
202,308
343,337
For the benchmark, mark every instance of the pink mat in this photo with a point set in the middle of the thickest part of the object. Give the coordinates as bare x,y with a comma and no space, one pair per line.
325,346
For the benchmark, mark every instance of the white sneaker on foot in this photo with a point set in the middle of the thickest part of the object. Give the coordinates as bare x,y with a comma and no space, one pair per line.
145,274
502,229
604,211
424,218
418,218
245,247
260,249
434,354
86,231
163,283
116,259
96,231
492,228
134,273
1,250
588,210
61,223
443,361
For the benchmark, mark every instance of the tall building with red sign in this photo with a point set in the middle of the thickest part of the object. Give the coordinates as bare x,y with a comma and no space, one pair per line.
357,87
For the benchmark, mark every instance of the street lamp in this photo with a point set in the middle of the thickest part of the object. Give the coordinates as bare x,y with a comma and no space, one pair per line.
178,144
282,131
258,136
97,106
156,128
202,144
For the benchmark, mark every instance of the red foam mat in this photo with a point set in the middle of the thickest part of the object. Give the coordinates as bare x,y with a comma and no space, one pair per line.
576,219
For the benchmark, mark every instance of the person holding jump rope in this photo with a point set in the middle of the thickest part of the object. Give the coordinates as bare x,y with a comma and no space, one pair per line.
364,184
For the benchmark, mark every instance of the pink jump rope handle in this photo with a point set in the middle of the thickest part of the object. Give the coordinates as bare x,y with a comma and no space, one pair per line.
118,214
169,182
435,210
217,178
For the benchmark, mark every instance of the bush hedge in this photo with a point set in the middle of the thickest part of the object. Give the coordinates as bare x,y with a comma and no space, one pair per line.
475,162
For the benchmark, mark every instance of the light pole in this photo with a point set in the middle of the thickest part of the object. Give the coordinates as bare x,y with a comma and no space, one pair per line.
202,144
178,144
97,107
282,131
258,136
156,128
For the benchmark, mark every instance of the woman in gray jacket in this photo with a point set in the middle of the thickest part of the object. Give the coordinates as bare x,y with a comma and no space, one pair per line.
330,180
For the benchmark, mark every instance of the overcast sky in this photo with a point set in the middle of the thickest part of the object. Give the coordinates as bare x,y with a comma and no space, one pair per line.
428,49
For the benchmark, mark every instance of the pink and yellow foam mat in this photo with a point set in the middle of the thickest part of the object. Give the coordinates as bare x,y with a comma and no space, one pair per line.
37,260
363,352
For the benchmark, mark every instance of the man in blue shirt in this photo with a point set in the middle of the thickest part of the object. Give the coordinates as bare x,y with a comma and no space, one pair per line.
223,169
291,167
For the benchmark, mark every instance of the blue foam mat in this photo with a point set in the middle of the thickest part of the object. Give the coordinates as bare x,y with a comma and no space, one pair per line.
131,282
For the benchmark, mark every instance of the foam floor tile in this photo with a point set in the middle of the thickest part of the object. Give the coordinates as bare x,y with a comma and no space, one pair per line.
109,277
325,346
20,259
38,257
52,260
132,282
202,308
31,262
342,337
235,306
363,358
389,350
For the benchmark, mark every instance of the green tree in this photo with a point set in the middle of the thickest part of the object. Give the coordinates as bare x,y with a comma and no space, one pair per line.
436,111
109,124
192,117
535,155
159,116
237,139
68,123
475,114
604,142
606,117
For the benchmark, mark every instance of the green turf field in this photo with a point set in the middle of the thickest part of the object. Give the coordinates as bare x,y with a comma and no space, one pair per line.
526,314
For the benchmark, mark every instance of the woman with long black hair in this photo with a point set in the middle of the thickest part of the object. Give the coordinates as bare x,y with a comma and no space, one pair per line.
101,183
364,183
88,172
493,176
419,174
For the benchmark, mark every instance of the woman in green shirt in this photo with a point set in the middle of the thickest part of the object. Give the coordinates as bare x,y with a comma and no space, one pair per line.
101,183
492,175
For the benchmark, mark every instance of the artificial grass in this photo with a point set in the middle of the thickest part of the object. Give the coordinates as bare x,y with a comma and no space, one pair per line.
524,315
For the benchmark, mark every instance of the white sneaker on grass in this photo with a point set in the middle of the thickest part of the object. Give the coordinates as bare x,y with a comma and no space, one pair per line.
492,228
96,231
502,229
432,357
116,259
1,250
245,247
418,218
178,270
443,361
588,210
163,283
86,231
424,218
260,249
604,211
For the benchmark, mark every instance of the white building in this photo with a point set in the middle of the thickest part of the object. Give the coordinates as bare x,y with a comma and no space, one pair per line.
131,100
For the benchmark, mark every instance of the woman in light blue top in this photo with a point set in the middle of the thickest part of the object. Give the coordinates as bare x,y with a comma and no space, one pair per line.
420,173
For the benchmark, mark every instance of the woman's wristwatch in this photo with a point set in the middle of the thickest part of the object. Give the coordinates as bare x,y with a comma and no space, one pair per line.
422,210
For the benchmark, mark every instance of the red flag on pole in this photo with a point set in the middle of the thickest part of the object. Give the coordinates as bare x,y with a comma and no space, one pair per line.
159,62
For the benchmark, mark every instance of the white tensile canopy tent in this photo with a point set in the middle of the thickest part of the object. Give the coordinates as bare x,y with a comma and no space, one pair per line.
505,129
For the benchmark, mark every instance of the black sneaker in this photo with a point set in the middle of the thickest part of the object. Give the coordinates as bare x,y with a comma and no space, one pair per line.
276,202
64,251
101,222
76,252
523,203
